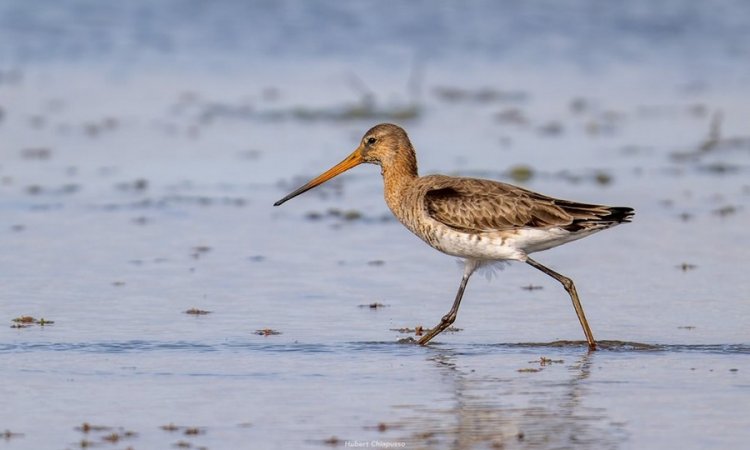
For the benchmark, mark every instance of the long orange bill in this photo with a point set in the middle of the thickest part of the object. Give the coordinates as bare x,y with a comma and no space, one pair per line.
352,160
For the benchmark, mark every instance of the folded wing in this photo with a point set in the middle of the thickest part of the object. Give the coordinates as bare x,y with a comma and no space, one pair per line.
475,205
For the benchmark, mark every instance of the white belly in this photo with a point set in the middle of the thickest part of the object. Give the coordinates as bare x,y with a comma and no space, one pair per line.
502,245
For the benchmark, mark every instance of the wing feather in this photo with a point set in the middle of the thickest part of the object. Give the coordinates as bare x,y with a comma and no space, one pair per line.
476,205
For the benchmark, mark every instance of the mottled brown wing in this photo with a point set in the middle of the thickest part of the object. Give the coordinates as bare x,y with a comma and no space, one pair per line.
471,204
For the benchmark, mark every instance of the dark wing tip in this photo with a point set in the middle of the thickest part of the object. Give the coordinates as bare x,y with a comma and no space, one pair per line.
607,217
620,214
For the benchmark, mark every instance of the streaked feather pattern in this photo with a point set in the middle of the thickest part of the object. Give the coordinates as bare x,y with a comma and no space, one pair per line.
475,205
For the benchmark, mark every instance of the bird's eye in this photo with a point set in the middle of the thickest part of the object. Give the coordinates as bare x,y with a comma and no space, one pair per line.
371,141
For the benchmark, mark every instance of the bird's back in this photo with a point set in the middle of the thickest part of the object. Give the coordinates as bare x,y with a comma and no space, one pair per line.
471,212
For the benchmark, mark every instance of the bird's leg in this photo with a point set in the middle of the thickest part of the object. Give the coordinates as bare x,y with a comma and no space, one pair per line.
571,288
469,267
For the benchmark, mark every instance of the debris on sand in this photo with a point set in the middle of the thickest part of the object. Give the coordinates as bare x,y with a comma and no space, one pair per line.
419,330
27,321
267,332
686,267
374,305
8,435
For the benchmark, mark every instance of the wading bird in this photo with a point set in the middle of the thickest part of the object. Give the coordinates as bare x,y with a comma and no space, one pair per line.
481,221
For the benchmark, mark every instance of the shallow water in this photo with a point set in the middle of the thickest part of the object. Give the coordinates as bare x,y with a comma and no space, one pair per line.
143,146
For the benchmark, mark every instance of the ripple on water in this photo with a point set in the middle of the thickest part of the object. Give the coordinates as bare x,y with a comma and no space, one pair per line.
346,347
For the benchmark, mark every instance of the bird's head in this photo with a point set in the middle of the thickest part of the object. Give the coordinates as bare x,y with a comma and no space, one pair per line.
383,145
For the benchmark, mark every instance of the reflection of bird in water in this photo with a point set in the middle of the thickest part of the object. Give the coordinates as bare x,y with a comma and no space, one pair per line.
482,221
487,411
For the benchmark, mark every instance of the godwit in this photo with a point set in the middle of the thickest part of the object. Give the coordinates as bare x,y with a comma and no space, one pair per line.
481,221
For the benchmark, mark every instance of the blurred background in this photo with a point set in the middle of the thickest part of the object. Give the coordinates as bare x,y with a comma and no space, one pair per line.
143,143
237,75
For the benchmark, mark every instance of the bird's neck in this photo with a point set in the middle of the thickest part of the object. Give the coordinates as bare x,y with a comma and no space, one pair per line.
397,177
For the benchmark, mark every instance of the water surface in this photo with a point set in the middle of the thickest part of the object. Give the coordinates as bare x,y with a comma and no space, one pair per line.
141,149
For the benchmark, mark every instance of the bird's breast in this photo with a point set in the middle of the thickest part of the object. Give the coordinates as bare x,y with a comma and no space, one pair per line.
407,205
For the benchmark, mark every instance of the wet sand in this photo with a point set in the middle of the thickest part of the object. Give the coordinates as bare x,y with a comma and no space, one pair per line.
161,301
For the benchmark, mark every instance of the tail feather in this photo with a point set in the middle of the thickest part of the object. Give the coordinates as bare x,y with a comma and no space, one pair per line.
608,217
619,214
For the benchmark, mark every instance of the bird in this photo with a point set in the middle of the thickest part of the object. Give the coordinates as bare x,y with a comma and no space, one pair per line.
478,220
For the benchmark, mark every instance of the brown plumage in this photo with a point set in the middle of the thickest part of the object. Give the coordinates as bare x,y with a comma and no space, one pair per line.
475,205
480,220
